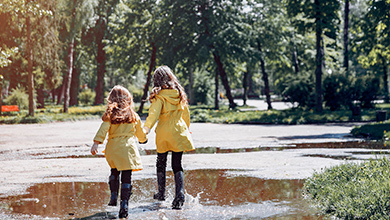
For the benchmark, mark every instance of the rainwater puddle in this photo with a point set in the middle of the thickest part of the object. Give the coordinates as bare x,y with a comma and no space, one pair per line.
328,145
210,194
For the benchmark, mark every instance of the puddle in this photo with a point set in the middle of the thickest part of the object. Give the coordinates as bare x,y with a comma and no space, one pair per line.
210,194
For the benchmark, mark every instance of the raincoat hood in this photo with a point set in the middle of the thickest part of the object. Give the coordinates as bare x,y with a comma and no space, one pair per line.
169,95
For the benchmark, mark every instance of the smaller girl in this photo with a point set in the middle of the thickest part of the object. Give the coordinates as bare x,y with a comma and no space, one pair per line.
169,106
122,124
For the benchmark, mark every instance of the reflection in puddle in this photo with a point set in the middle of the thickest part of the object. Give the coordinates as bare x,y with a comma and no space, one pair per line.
328,145
210,194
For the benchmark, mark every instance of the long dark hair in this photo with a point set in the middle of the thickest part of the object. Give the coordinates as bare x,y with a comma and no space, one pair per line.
120,106
163,78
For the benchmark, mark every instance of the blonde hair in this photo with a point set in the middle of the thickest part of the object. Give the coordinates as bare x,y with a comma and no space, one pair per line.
163,78
120,106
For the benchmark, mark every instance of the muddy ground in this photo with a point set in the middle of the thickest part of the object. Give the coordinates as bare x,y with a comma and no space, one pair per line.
60,152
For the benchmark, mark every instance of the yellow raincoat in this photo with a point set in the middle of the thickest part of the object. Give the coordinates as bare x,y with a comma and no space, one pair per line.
172,132
121,150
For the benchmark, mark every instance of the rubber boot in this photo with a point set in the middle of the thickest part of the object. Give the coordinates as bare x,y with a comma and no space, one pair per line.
114,188
179,196
125,195
160,196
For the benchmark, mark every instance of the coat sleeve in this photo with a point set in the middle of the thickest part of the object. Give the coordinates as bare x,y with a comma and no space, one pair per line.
186,115
154,113
102,132
139,133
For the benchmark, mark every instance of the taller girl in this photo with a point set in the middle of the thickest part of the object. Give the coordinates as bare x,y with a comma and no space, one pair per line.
170,107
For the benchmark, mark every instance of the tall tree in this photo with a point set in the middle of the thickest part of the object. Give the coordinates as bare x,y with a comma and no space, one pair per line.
322,17
374,40
104,10
137,39
76,15
21,30
346,30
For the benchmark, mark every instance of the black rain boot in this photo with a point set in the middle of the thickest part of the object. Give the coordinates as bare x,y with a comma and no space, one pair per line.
160,196
114,188
125,195
179,197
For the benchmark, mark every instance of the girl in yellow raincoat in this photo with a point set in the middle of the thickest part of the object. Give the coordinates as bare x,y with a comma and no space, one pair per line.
122,124
169,106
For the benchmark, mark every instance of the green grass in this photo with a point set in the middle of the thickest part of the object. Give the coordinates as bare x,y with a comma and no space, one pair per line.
376,130
288,116
352,190
52,114
203,113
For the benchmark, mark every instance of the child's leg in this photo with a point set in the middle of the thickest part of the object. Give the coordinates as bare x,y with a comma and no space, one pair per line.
176,162
113,182
161,165
179,180
125,193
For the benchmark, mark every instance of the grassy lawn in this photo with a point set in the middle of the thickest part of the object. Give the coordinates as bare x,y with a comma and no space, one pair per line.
352,190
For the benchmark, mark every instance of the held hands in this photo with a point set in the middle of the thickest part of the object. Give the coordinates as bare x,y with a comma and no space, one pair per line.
94,148
146,130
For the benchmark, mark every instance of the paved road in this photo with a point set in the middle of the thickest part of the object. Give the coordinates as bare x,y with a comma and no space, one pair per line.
14,137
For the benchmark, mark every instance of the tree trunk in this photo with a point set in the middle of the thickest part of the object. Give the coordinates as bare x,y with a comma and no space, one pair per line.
40,97
216,93
346,21
319,58
295,55
31,106
224,79
74,86
100,59
191,87
75,82
385,80
295,61
245,87
148,78
68,78
264,78
60,91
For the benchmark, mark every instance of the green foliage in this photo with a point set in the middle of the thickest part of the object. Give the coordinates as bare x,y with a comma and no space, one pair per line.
337,92
288,116
202,89
54,114
375,130
299,90
137,93
353,190
18,97
87,96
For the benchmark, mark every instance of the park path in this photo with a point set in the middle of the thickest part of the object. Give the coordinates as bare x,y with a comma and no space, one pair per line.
79,133
59,152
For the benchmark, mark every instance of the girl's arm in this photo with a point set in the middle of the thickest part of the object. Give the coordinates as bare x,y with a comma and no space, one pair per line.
139,132
94,148
100,136
154,113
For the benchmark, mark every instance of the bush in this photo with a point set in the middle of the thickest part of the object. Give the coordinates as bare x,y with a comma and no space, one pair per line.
202,89
137,93
365,89
337,92
87,96
299,90
374,130
352,191
18,97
